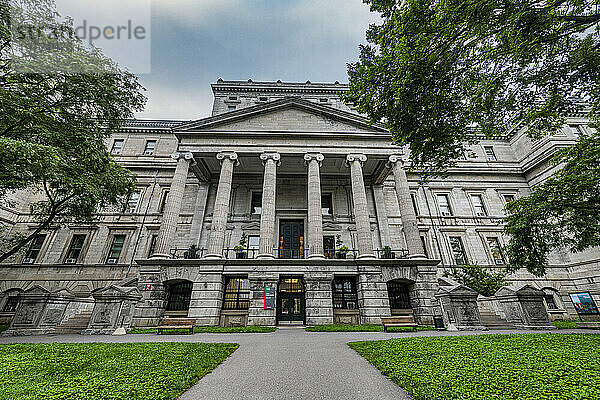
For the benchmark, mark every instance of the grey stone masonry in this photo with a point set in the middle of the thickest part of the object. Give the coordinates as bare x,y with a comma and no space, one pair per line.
407,213
267,216
257,314
319,299
168,226
315,213
221,209
361,211
113,308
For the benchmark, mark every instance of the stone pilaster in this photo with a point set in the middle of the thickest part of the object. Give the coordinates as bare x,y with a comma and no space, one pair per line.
361,211
221,208
267,217
315,213
407,213
168,225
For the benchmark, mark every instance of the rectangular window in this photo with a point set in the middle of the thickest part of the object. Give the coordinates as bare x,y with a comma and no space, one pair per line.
509,198
132,202
253,242
256,204
444,204
478,205
237,294
329,246
163,201
34,249
458,250
117,146
344,294
577,129
75,249
233,98
326,204
424,243
413,198
323,100
263,99
12,301
550,302
116,248
495,250
150,147
153,239
489,153
231,108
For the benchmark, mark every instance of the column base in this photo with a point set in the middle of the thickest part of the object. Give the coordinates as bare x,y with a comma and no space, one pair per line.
420,256
162,256
319,256
266,255
214,256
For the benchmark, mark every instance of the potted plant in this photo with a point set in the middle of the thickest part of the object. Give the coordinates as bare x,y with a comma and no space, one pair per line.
240,249
342,250
191,252
388,253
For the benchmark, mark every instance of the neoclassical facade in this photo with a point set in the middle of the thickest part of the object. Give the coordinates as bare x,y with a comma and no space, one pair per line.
286,206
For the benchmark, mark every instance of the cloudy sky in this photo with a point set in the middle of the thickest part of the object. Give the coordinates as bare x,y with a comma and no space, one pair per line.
194,42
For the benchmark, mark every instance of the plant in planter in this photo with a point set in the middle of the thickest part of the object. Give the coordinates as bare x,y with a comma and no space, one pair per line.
191,252
342,250
240,249
388,253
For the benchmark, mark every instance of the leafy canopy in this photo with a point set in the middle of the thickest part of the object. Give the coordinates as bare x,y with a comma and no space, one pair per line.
59,101
442,74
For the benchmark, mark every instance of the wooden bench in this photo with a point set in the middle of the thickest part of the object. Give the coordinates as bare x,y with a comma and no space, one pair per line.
399,320
177,323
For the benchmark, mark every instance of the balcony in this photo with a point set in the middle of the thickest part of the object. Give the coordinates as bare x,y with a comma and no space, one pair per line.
252,253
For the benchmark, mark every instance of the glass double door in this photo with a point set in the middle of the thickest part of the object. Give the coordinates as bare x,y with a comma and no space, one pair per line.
290,300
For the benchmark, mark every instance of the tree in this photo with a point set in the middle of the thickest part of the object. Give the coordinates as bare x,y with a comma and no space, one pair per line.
484,281
59,102
443,74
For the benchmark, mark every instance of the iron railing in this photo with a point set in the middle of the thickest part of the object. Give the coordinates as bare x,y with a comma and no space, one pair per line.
232,253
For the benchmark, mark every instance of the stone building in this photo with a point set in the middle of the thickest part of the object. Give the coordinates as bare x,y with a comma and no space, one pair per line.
287,206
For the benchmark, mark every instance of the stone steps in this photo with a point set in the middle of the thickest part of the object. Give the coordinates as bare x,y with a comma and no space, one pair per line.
75,324
491,320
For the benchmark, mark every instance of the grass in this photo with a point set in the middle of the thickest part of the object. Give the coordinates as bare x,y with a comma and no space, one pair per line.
132,371
3,328
566,324
362,328
499,367
210,329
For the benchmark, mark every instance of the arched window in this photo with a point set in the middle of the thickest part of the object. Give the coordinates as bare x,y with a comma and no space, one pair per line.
179,295
11,300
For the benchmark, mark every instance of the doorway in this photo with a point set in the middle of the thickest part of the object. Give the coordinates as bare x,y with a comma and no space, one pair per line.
290,301
291,239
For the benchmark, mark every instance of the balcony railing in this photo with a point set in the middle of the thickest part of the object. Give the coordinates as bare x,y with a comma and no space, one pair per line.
232,253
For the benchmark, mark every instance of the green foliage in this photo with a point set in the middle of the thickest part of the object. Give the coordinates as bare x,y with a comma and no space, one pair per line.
564,211
54,122
142,371
485,281
435,72
210,329
490,367
3,328
242,243
565,324
363,328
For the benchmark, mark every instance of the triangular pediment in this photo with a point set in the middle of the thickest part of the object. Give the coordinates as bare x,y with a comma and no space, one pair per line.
285,115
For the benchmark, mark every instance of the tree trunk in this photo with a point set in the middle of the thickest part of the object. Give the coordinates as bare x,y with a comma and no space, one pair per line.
28,239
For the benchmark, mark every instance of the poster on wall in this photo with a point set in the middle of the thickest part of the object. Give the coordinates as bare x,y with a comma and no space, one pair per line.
584,303
269,298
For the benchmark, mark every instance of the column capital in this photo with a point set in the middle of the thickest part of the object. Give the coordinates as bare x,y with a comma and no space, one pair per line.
308,157
350,158
231,155
397,158
271,156
186,155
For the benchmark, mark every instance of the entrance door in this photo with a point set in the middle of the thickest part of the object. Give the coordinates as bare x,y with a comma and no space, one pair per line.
291,239
290,301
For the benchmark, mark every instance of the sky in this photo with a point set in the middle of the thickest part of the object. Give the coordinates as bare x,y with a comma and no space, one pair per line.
195,42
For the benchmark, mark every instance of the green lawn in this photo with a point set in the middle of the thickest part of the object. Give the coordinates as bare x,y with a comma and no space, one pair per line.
148,371
566,324
485,367
362,328
210,329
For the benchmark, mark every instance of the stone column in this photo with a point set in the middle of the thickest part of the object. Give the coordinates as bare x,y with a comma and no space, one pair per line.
221,209
361,211
315,213
382,219
407,213
267,216
168,225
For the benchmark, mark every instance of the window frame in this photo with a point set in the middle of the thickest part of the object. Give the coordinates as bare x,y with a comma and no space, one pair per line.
152,244
446,196
330,211
344,297
242,289
32,253
70,248
113,240
127,209
12,300
462,250
164,198
490,153
257,194
415,204
117,151
499,250
150,151
479,196
329,252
